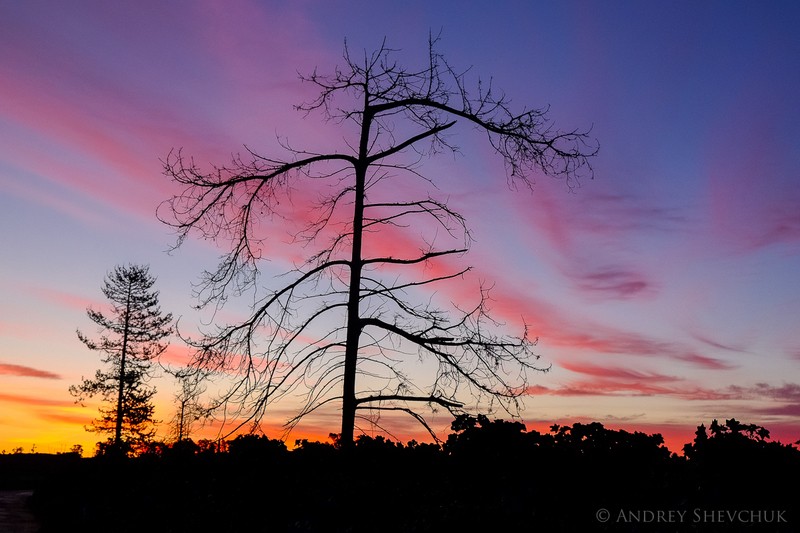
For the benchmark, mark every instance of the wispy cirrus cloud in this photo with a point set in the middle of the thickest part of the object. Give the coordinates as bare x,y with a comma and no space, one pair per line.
602,387
704,361
773,399
563,330
707,340
615,372
26,371
588,232
65,299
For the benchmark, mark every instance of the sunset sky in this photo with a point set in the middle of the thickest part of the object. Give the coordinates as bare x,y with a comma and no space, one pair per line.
664,291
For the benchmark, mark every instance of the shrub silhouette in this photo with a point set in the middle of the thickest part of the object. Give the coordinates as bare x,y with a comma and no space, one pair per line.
738,465
255,447
489,475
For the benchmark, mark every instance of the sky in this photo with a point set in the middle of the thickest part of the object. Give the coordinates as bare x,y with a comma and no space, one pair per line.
663,291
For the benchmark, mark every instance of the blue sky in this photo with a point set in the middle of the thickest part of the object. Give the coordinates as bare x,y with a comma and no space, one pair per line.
664,291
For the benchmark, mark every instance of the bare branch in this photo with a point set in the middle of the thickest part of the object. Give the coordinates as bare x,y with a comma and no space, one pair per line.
352,323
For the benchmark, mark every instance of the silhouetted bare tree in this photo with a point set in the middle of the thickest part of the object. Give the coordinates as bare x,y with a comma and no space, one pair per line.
372,314
188,410
131,340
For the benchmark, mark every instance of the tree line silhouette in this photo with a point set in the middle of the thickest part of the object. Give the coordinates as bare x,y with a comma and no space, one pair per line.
488,475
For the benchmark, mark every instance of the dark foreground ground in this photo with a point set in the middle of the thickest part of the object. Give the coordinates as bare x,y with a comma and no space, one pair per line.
15,512
489,476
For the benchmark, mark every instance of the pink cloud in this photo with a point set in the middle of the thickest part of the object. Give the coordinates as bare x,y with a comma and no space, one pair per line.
26,371
784,399
716,344
703,361
602,387
614,372
66,299
566,390
177,355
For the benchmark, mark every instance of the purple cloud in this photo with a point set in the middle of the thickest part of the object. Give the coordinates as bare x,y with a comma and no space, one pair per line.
614,282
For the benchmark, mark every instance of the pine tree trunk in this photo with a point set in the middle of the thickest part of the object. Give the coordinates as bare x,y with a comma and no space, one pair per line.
121,390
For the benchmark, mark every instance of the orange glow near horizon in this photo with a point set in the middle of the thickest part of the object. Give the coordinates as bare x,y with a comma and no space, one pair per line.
56,426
